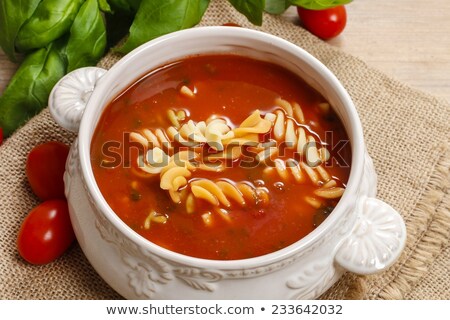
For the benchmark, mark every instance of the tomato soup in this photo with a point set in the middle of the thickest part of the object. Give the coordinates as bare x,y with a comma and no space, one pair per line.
221,157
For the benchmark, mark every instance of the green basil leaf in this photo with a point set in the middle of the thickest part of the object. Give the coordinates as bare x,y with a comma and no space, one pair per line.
28,91
276,6
119,21
252,9
13,14
104,6
117,26
87,41
50,21
156,18
318,4
130,6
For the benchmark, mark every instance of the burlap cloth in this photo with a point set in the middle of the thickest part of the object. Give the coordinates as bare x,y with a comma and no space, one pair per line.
406,131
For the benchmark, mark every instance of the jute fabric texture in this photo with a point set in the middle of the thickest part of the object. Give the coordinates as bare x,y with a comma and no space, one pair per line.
407,134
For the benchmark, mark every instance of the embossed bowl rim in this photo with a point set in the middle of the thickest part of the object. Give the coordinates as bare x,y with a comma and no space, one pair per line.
238,37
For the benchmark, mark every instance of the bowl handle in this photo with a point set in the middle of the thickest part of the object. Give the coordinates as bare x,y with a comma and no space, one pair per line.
376,241
70,95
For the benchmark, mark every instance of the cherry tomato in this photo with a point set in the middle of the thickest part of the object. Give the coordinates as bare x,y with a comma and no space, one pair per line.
46,233
325,24
45,169
1,136
231,24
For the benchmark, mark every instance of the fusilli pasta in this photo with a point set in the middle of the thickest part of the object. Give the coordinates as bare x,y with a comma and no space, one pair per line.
286,129
291,168
175,117
286,125
151,139
223,193
154,217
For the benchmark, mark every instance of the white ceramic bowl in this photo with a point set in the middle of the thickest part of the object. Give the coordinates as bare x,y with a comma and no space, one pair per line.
362,235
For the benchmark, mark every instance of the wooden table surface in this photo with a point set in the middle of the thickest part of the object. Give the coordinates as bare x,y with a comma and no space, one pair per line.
406,39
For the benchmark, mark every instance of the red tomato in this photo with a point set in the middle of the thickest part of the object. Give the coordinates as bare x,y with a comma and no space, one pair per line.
231,24
326,23
1,136
45,169
46,233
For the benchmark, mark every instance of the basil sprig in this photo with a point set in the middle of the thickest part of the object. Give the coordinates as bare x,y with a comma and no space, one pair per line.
27,92
252,9
87,41
276,6
50,21
155,18
13,15
58,36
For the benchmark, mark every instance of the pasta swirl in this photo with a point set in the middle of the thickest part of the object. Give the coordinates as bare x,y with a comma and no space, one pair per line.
286,126
292,110
151,139
174,177
291,168
156,159
285,129
217,133
253,124
223,193
175,117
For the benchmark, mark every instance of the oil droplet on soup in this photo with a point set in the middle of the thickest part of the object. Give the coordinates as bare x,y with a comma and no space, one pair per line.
221,157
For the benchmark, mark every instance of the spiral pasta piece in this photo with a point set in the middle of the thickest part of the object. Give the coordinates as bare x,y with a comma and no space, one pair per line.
286,130
209,217
313,202
192,131
218,134
253,124
329,193
312,153
174,176
291,168
151,139
209,191
175,135
266,151
324,154
216,131
175,117
155,161
154,217
286,126
223,193
250,139
292,110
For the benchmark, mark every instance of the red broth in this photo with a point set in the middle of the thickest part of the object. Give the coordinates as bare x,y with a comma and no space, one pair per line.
230,87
